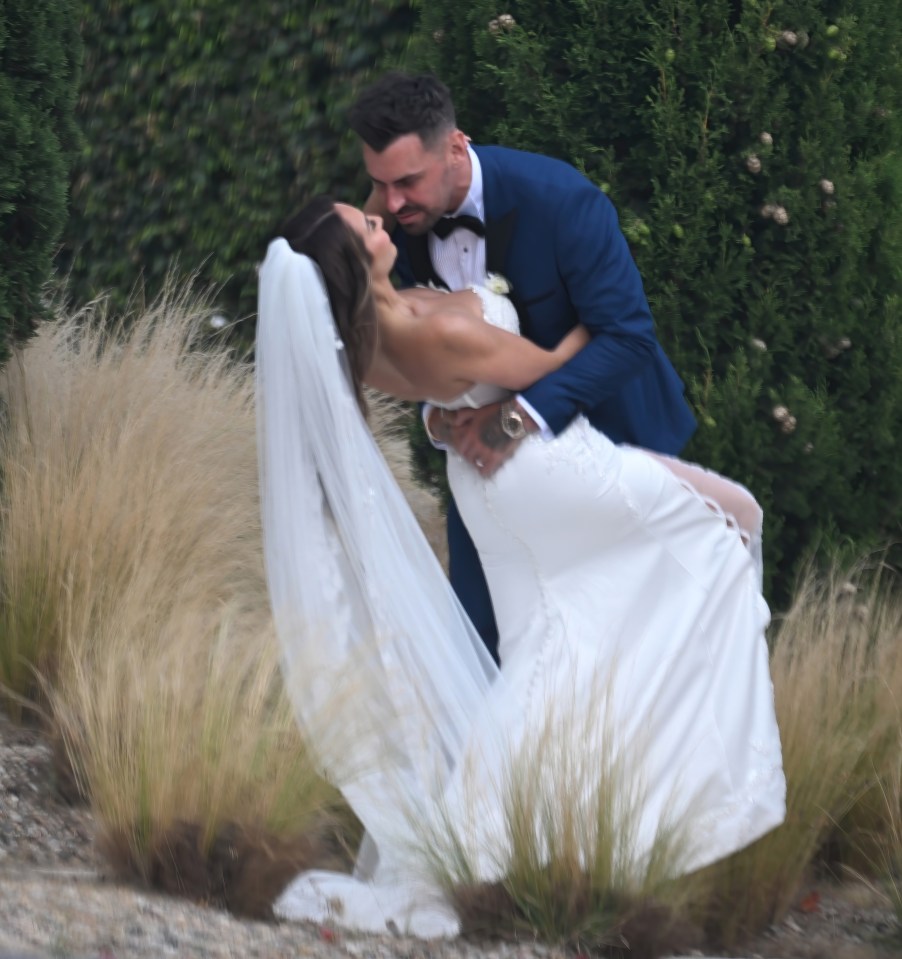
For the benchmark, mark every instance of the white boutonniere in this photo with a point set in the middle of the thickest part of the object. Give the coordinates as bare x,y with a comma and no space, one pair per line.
498,284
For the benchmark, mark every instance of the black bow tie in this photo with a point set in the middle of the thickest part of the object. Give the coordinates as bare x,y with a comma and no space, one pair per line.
448,224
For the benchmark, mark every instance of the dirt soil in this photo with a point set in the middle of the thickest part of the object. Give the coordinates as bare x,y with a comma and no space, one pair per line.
43,834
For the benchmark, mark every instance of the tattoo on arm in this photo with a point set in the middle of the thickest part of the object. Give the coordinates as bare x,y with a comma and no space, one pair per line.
493,436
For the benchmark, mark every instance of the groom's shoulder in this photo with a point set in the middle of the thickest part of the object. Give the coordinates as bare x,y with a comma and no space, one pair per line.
508,158
530,169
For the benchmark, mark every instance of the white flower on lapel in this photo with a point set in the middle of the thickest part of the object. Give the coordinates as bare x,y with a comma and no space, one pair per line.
497,283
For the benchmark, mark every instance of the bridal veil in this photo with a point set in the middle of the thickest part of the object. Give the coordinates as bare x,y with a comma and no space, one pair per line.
386,673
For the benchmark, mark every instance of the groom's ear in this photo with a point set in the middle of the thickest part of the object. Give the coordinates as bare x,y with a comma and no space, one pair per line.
457,144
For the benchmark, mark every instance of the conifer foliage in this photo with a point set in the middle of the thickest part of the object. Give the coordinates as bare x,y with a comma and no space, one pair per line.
40,52
752,149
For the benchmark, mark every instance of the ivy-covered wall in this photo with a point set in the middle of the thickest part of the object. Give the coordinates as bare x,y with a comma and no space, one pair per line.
752,149
40,54
205,123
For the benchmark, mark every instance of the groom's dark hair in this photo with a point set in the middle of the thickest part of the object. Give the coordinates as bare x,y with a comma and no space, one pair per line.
401,103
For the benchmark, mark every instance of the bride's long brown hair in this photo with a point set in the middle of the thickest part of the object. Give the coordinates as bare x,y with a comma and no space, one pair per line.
319,232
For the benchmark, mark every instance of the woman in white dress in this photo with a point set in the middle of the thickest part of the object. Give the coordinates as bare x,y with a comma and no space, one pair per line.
620,591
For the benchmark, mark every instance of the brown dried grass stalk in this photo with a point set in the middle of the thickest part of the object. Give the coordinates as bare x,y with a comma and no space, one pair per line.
134,609
837,680
569,870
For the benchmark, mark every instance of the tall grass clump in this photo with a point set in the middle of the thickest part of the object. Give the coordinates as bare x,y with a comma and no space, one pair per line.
879,864
867,842
567,875
128,465
189,752
892,862
837,676
134,613
568,868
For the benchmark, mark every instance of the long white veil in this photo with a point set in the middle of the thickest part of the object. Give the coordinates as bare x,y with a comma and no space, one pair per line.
386,673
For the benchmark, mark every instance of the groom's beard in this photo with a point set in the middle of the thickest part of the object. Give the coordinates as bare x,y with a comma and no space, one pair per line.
422,220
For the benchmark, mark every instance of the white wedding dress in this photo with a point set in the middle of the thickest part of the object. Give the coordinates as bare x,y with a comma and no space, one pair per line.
628,608
603,565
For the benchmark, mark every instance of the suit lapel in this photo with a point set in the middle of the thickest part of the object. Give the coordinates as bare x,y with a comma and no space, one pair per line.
498,235
499,231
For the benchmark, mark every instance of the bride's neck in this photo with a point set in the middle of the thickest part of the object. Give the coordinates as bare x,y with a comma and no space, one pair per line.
389,302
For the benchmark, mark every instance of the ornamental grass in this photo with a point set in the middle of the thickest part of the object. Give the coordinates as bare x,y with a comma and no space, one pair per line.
134,618
837,674
566,864
134,622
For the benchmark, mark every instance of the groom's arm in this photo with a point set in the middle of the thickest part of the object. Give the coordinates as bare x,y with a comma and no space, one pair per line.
605,288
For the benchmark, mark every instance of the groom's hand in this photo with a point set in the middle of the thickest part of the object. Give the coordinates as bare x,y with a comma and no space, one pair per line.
478,437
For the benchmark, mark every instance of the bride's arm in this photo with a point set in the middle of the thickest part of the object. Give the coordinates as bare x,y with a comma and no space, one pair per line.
384,376
477,351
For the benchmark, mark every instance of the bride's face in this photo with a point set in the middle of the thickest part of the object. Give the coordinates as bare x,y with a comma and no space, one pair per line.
377,242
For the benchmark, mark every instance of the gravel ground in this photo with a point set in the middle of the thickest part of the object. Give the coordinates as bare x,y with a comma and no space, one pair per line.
57,903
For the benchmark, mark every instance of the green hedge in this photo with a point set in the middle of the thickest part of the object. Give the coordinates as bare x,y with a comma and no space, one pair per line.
40,52
206,122
753,151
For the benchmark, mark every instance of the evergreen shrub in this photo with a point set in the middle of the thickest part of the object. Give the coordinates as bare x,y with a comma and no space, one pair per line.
752,150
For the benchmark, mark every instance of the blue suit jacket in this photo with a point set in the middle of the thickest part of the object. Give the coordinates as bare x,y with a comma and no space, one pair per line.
555,236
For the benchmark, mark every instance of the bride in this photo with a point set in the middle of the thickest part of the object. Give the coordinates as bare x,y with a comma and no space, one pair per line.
626,599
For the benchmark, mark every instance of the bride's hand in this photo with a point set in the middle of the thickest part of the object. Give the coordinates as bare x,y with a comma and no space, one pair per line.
573,342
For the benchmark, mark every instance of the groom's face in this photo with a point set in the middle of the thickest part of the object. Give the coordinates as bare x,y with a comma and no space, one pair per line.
419,183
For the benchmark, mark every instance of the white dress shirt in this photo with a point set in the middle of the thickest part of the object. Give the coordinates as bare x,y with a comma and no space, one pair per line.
459,259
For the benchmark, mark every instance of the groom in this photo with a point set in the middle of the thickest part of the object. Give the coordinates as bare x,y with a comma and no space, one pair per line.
462,211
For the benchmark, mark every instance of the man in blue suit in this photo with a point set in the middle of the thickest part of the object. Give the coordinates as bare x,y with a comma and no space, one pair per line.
463,211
